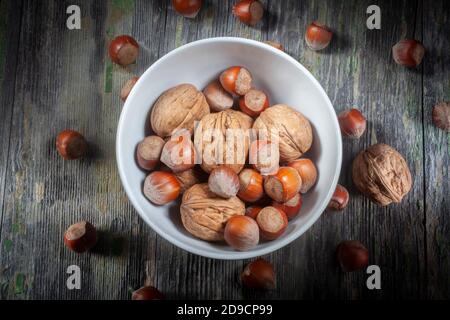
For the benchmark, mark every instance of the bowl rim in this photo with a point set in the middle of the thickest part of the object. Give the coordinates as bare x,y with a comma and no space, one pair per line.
233,255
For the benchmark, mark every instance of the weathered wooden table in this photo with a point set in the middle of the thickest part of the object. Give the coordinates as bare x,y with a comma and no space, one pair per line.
53,78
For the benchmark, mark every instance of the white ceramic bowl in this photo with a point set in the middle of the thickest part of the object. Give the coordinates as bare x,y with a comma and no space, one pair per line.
282,78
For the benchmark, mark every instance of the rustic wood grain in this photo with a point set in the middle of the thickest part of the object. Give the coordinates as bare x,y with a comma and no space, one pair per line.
54,78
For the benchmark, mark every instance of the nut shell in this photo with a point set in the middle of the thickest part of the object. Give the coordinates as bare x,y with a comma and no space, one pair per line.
293,129
204,214
214,145
178,108
382,174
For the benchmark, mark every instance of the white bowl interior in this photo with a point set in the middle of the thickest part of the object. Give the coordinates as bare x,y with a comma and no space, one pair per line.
282,78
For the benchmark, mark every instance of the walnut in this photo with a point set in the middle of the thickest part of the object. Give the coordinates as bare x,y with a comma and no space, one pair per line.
178,108
190,177
382,174
292,128
223,138
204,214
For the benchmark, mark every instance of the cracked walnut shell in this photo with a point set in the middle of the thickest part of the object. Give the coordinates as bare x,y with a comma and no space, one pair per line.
382,174
178,108
223,139
292,128
204,214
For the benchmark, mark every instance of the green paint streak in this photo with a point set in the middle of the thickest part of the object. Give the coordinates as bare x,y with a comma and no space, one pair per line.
124,5
7,245
19,286
2,38
179,32
16,228
108,76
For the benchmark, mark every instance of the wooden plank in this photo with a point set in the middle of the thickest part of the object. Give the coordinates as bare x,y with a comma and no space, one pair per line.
437,149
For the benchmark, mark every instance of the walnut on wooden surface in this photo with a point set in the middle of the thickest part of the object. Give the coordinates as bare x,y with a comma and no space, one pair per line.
205,214
382,174
178,108
292,128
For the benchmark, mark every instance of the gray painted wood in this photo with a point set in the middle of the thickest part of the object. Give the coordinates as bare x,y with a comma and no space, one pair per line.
54,79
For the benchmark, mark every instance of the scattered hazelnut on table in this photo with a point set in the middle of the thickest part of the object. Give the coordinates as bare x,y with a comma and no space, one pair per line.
126,89
441,116
236,80
408,53
147,293
224,182
241,233
318,36
307,171
253,102
352,255
274,44
264,157
339,200
272,222
249,11
179,152
123,50
292,128
352,123
149,151
251,185
217,97
259,274
382,174
291,207
161,187
252,211
204,214
71,145
80,236
187,8
283,185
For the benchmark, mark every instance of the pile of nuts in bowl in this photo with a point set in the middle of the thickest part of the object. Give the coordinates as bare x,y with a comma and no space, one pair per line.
239,169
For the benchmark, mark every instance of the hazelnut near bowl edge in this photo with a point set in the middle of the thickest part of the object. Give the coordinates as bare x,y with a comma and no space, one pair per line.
186,64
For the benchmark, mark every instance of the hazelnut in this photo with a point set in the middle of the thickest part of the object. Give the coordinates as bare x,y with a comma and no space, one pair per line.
352,255
283,185
441,116
236,80
259,274
340,198
252,211
292,130
251,185
318,36
352,123
204,214
224,182
187,8
217,98
272,223
307,171
147,293
80,237
408,53
249,11
123,50
241,233
291,207
71,145
126,89
382,174
223,139
149,151
274,44
179,153
161,187
264,156
253,102
178,108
